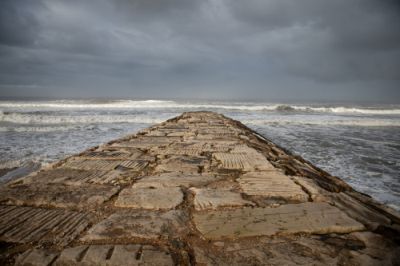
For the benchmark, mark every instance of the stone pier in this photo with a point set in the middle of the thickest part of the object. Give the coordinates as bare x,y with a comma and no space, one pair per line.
198,189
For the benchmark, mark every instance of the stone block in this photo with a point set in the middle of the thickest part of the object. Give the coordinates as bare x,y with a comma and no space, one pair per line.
112,255
153,198
315,192
138,224
36,257
272,185
105,165
112,154
242,161
312,218
26,224
208,199
57,195
175,179
183,164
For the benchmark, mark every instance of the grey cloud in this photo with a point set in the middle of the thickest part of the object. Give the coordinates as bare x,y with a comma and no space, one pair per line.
18,23
211,48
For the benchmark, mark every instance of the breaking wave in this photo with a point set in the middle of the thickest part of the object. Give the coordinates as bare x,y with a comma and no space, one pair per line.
325,122
157,104
45,119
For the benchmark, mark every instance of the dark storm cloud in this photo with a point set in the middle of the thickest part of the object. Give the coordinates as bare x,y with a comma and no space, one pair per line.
18,24
212,49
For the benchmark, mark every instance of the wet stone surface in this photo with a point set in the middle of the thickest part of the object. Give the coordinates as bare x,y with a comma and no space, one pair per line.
198,189
130,224
313,218
151,197
209,198
58,195
272,184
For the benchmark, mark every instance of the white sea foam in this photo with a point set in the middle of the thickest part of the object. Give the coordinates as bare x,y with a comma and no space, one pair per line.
36,129
157,104
327,122
44,122
45,119
349,110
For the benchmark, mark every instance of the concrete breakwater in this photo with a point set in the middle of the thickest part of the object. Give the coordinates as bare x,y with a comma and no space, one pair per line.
199,189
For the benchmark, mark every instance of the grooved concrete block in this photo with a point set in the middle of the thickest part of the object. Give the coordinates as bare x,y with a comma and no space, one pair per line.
26,224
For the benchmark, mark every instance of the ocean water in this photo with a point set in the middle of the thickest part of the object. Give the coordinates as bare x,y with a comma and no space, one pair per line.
360,144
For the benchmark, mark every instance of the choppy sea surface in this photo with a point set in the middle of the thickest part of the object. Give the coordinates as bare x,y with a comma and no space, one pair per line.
359,143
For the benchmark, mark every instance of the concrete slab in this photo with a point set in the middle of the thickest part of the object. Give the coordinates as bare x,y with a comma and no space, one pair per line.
211,199
192,149
151,198
315,192
111,154
219,146
36,257
242,161
175,179
108,255
104,165
273,185
27,224
183,164
57,195
138,224
68,176
312,218
146,142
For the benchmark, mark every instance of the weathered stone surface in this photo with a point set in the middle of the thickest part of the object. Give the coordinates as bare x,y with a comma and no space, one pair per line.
114,255
175,179
219,145
287,250
71,173
233,161
243,161
111,154
146,142
219,131
183,164
69,177
138,224
36,257
192,149
107,255
155,133
105,165
151,197
358,211
243,148
315,218
315,192
57,195
208,199
378,250
272,184
26,224
72,256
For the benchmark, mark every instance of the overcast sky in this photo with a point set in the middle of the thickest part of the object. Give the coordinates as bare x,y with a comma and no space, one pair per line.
211,49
